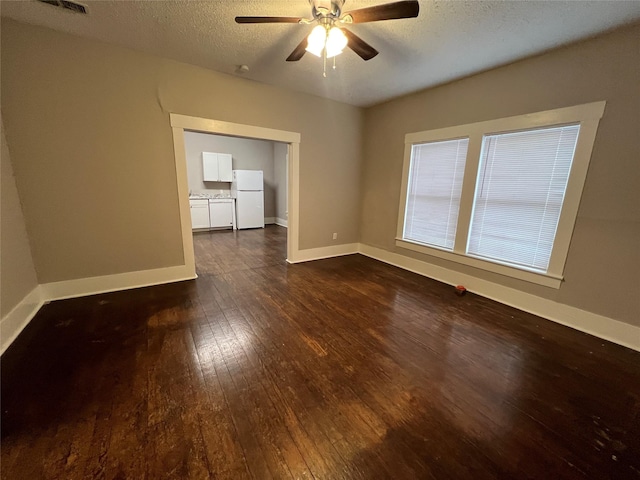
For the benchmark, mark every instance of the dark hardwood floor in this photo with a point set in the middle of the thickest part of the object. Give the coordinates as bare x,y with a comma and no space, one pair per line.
344,368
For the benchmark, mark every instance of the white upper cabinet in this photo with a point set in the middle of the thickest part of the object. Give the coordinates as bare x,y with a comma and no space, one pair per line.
224,167
210,167
216,167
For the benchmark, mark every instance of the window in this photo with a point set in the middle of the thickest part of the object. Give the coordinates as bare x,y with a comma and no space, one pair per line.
521,183
500,195
435,184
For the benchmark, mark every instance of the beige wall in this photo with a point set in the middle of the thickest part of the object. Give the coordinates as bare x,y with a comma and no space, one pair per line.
88,128
602,273
17,274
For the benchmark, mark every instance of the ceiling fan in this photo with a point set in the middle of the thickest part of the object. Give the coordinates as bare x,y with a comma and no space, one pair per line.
329,37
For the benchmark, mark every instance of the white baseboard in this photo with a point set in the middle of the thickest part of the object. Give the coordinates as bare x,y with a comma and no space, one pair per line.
269,220
324,252
598,325
281,221
19,317
110,283
591,323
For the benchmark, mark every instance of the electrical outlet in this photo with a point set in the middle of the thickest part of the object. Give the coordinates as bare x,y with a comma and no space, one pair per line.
335,236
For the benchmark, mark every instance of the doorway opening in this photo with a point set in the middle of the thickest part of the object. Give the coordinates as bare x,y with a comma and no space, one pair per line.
291,141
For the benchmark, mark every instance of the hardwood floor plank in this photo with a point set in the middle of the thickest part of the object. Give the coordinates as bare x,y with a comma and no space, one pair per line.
174,398
299,396
225,354
288,452
344,368
220,436
361,406
296,405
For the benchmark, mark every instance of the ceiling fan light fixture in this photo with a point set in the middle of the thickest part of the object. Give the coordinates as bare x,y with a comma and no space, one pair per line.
328,39
316,40
336,42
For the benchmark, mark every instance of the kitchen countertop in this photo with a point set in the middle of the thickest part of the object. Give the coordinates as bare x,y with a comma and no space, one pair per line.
206,196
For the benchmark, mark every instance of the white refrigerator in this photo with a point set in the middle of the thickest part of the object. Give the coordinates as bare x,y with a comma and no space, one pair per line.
247,187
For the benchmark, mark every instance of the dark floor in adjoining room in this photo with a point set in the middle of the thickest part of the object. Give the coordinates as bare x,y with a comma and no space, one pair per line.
343,368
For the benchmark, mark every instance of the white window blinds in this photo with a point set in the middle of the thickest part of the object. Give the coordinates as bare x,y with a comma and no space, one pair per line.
521,184
434,188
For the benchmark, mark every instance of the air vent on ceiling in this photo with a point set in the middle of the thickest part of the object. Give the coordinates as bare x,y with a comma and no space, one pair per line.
73,6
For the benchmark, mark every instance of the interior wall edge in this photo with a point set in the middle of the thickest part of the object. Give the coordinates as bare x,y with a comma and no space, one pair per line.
587,322
310,254
82,287
19,317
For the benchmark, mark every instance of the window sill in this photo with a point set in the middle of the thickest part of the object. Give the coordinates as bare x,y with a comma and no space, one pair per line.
544,279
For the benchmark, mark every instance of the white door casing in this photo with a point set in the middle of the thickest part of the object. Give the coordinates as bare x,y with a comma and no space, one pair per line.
180,123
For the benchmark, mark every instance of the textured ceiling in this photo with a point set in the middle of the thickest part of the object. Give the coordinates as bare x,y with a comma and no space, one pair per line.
448,40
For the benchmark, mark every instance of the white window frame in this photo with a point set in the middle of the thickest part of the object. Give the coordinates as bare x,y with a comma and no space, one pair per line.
587,115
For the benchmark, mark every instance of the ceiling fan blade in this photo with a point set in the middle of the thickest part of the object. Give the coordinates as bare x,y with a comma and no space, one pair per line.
388,11
268,19
362,48
299,51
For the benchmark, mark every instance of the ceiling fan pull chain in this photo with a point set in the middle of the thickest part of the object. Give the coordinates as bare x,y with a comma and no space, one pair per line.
324,64
334,62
